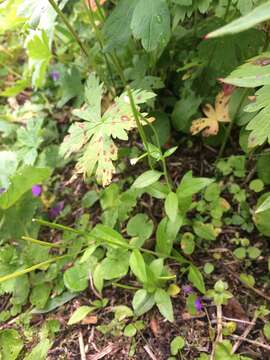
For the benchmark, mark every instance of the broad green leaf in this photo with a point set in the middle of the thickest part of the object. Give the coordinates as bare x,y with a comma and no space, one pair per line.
266,330
39,295
94,135
187,243
122,312
76,277
112,268
39,53
171,206
255,17
119,19
79,314
55,302
177,344
8,166
140,225
108,235
146,179
205,231
142,302
137,265
98,278
71,87
255,72
196,278
10,344
39,351
265,205
16,88
151,23
166,234
21,182
164,304
190,185
247,279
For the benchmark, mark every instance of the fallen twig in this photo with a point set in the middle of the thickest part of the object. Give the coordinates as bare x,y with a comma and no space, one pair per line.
149,352
245,334
81,345
253,342
219,331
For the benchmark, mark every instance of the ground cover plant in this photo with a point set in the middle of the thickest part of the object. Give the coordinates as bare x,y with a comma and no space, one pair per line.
134,179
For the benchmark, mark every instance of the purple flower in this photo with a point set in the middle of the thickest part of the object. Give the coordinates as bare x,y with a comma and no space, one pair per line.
55,75
198,304
36,190
187,289
2,190
56,210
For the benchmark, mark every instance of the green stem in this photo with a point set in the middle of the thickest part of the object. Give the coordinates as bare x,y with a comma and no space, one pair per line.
227,10
229,129
30,269
42,243
69,26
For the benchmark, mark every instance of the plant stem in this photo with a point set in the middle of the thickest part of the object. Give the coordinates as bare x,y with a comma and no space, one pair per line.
69,26
229,129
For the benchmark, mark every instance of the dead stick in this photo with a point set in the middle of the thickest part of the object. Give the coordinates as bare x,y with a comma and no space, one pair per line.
245,334
253,342
81,345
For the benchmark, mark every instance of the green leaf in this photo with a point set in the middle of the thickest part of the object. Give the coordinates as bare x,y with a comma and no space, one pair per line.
247,279
255,72
196,278
166,234
171,206
21,182
205,231
79,314
223,351
56,302
39,351
255,17
8,166
266,330
11,344
187,243
164,304
71,87
151,23
16,88
208,268
90,198
76,277
240,253
142,302
265,205
122,312
112,268
146,179
37,45
137,265
253,252
140,225
177,344
119,19
39,295
130,330
190,185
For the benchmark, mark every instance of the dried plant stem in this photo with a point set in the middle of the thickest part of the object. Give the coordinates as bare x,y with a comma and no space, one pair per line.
245,334
219,331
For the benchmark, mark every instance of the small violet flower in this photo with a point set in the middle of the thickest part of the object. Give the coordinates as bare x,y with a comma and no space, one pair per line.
36,190
187,289
198,304
56,210
55,75
2,190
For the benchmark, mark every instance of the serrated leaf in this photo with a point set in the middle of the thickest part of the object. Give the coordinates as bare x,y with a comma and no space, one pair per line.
39,53
10,344
95,135
151,23
210,124
256,16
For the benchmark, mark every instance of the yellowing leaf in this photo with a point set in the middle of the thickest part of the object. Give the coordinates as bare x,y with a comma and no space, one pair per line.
209,125
94,136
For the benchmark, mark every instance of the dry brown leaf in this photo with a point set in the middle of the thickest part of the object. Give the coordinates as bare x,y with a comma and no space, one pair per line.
209,125
154,326
90,320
